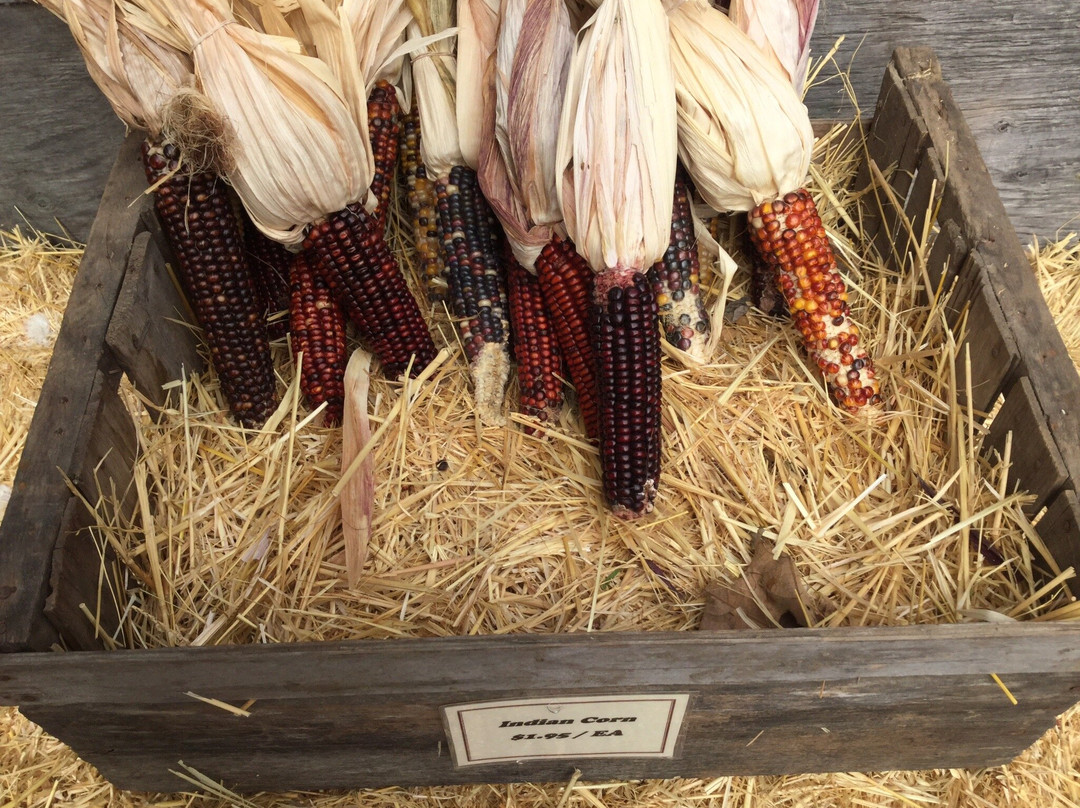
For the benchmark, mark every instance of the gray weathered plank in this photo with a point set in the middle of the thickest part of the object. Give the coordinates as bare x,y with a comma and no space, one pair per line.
1014,69
58,135
55,444
367,713
1060,531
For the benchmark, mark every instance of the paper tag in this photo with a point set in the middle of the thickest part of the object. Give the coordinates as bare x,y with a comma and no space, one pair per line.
644,725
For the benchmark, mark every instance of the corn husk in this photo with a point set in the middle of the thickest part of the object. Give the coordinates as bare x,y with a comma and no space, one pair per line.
434,77
782,29
137,74
378,29
744,133
478,30
299,153
358,493
496,171
537,88
617,147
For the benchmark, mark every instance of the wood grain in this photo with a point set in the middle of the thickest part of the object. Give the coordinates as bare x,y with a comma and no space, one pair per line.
56,444
367,713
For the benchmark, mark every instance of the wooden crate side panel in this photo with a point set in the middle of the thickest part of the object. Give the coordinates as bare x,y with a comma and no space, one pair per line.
148,333
1059,530
988,341
971,200
947,255
1037,466
30,528
367,713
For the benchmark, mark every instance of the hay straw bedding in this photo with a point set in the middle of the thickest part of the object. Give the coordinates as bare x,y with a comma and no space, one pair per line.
508,534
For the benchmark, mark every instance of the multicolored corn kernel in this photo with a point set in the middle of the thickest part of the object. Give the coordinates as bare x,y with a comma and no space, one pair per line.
566,281
198,218
790,238
536,350
423,207
269,262
628,361
477,286
675,281
317,324
470,238
355,262
383,128
764,291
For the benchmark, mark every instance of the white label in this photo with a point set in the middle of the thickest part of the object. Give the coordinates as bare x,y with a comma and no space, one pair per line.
593,726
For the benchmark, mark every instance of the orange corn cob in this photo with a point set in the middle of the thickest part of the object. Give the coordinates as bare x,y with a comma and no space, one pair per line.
675,278
423,207
198,219
628,374
318,332
539,363
383,111
566,281
354,261
269,262
790,238
764,292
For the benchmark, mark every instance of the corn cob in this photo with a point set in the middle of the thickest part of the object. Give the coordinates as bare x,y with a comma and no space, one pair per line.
354,261
198,218
318,333
675,280
791,239
423,207
477,283
383,111
269,262
536,349
764,292
628,355
566,281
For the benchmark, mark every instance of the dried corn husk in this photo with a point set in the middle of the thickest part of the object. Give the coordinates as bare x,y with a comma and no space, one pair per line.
434,76
744,133
378,30
537,89
782,29
496,171
137,74
299,153
358,493
617,138
478,30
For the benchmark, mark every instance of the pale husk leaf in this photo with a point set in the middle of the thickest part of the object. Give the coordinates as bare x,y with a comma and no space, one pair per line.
512,13
137,74
536,94
744,134
378,29
358,493
617,138
434,72
478,30
299,155
782,29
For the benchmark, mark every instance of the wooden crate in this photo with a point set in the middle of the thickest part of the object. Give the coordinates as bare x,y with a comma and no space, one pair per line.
368,713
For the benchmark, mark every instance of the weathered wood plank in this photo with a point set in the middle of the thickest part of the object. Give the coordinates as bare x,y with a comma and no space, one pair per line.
987,339
58,135
1060,531
147,333
367,713
1014,70
1037,466
30,527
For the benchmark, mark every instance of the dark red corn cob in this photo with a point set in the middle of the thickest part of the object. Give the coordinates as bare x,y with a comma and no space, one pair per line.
675,280
423,207
536,350
628,362
790,238
318,332
269,262
353,259
566,281
477,285
383,111
198,219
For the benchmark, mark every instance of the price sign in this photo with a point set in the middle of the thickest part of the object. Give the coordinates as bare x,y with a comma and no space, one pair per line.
645,725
